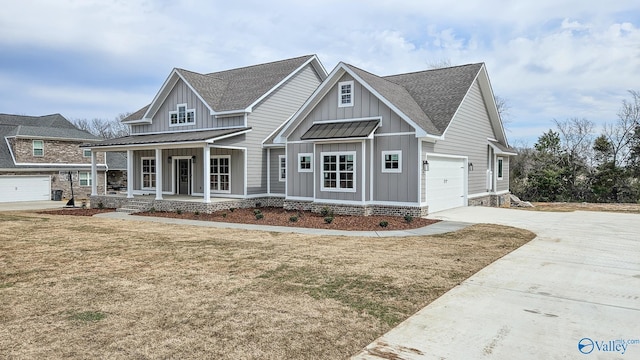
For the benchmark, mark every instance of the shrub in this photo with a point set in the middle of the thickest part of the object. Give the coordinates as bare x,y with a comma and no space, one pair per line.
224,215
328,219
293,218
326,212
258,204
384,224
178,211
232,209
259,216
256,211
152,210
196,213
408,218
100,205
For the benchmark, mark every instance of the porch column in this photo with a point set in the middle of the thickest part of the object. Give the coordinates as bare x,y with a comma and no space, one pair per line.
129,174
206,161
159,174
94,174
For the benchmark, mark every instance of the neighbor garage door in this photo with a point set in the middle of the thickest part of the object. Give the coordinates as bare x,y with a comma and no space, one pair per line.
25,188
445,183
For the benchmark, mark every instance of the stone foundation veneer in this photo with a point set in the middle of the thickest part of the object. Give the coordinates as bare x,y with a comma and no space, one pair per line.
115,202
503,200
145,204
359,210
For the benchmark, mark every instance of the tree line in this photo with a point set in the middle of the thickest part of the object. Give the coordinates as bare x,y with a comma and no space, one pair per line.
574,163
104,128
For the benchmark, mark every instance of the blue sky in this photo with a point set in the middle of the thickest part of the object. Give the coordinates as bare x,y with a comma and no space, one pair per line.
96,59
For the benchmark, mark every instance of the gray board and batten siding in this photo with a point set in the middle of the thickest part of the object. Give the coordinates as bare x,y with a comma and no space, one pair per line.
396,187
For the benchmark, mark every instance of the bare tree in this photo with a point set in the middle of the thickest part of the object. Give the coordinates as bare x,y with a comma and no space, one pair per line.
439,63
621,134
106,129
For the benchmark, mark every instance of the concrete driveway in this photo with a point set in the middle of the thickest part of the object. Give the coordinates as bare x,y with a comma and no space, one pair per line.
571,293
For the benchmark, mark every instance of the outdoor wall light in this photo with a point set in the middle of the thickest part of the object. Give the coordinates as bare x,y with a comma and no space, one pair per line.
169,159
425,165
193,159
470,166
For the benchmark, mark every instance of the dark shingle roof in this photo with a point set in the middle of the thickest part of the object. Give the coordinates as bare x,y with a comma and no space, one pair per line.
438,92
53,126
190,136
236,89
117,160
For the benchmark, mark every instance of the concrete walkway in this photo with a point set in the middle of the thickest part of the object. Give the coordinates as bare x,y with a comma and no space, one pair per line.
437,228
574,290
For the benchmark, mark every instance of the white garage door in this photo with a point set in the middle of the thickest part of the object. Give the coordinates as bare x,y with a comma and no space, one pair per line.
445,183
25,188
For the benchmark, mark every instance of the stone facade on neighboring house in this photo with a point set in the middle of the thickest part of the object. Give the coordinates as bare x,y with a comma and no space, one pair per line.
38,155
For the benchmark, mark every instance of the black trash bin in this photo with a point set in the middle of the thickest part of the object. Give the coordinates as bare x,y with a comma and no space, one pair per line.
57,195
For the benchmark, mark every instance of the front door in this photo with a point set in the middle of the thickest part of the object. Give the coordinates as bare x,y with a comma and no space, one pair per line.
184,176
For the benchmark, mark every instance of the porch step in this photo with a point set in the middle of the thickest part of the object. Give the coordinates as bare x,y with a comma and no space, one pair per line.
134,206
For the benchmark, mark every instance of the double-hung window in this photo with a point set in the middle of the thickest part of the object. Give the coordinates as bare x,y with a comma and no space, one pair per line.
38,148
85,178
220,178
339,171
345,93
86,153
182,116
148,173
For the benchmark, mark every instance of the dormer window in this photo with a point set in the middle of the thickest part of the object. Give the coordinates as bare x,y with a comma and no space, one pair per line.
345,94
182,116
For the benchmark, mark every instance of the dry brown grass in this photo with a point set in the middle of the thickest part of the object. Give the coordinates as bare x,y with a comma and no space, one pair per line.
568,207
76,287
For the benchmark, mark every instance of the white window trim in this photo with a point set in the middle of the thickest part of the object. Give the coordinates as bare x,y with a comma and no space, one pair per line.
40,148
211,173
355,172
187,110
500,168
89,180
340,84
280,158
84,153
300,156
142,159
383,162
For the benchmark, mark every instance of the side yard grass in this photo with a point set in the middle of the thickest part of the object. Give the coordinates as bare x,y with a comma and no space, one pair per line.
76,287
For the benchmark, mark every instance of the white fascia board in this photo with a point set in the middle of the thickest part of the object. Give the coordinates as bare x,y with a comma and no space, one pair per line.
348,120
162,95
499,151
212,140
490,101
230,113
453,118
141,121
275,140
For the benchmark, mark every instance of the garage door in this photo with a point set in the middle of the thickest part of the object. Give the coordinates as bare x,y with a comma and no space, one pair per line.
24,188
445,183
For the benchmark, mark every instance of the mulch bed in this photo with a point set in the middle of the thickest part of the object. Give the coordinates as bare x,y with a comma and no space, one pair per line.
76,211
306,219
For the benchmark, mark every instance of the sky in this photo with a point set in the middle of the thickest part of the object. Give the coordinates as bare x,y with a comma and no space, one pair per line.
549,59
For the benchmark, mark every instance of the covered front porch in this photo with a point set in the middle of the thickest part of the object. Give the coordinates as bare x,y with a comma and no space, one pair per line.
191,165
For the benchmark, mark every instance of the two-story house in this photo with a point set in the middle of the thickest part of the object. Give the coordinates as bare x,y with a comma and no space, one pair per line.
201,136
41,154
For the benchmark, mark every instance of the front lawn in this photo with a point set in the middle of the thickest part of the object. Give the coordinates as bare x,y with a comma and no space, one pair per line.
82,287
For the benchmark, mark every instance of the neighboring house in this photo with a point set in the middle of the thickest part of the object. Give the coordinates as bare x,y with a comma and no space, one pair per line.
39,153
202,134
116,171
402,144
